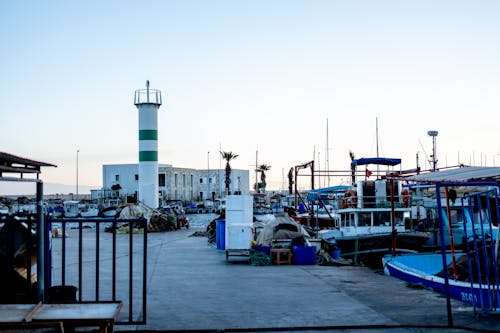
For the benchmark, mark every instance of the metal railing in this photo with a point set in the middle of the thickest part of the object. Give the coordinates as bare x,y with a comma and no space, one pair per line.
147,96
102,265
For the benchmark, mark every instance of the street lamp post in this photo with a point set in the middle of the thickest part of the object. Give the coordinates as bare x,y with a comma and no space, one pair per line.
208,174
77,152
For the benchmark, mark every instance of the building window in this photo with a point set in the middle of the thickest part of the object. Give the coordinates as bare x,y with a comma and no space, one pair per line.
176,180
191,180
183,180
136,177
201,180
117,178
161,180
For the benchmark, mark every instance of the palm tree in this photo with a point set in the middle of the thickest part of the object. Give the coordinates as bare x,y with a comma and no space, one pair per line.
262,169
353,167
351,155
290,181
228,156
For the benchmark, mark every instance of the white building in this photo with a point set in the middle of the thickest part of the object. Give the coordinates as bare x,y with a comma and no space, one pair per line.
211,183
176,183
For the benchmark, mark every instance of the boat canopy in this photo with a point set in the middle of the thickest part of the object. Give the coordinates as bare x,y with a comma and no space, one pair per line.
323,192
376,160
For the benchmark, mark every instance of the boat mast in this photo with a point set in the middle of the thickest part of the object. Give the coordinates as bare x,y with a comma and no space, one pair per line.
256,171
218,172
314,159
327,157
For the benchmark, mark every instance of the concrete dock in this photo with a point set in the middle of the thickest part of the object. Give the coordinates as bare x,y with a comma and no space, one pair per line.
191,287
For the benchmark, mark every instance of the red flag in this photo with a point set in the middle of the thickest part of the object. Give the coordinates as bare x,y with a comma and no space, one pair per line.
368,173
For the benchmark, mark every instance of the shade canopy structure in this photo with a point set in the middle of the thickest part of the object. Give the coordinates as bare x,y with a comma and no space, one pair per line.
13,167
464,174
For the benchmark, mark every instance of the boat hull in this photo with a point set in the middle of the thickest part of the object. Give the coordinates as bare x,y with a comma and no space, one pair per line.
421,269
370,248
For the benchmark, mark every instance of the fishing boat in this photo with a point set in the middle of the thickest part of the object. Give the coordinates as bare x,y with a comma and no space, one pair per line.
261,204
426,270
455,215
89,210
466,270
323,206
366,220
368,227
71,208
110,207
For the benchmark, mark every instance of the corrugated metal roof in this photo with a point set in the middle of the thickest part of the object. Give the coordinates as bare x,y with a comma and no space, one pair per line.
9,159
465,174
15,165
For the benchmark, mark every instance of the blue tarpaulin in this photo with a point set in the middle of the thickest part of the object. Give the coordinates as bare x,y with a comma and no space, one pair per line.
323,192
376,160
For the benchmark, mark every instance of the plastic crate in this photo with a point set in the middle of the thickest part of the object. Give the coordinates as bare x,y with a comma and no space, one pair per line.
261,248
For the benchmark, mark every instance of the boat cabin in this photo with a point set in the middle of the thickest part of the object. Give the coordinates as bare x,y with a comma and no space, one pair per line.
356,221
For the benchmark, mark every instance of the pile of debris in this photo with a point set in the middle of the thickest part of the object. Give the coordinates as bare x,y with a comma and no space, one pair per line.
164,220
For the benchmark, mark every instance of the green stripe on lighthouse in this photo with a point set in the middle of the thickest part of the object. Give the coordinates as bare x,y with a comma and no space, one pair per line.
148,134
148,156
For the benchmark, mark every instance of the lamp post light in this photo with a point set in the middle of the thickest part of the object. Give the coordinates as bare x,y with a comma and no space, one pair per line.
433,134
208,175
77,152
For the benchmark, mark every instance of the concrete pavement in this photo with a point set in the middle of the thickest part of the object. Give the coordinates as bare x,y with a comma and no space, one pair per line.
191,287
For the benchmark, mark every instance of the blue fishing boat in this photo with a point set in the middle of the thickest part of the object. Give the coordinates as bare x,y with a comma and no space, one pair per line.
425,269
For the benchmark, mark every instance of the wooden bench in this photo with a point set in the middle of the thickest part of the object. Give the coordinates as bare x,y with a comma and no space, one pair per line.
85,314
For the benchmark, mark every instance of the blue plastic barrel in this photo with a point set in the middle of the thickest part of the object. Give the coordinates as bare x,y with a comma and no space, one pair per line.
304,255
220,234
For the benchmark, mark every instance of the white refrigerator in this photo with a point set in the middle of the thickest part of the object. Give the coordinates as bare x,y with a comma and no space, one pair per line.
239,223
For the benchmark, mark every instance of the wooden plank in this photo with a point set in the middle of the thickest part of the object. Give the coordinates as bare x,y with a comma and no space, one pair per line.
78,311
10,313
44,327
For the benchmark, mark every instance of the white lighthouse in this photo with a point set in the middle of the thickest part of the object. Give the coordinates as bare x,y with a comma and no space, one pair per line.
148,101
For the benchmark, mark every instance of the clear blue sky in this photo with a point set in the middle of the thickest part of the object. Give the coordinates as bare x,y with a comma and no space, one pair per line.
248,75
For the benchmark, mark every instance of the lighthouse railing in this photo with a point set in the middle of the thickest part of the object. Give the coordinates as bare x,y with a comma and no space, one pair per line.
147,96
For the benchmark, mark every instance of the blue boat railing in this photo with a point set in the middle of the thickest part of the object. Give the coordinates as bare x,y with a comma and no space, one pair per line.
481,249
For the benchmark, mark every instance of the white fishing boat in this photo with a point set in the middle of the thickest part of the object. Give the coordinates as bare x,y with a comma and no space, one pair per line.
89,210
71,208
373,219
